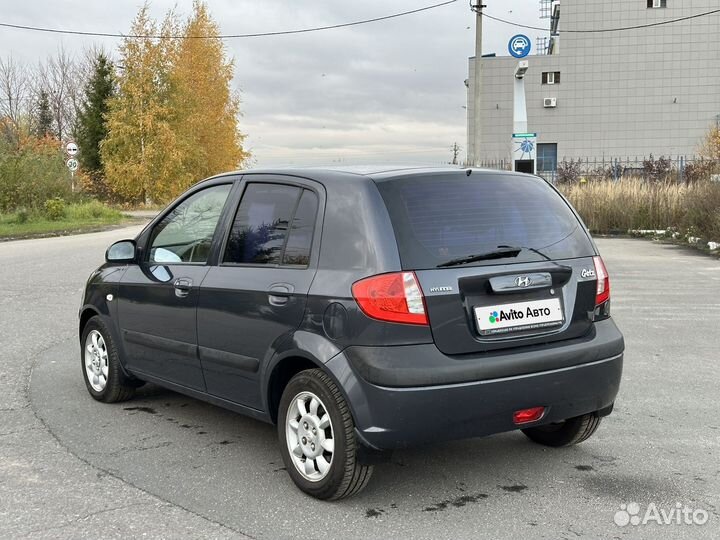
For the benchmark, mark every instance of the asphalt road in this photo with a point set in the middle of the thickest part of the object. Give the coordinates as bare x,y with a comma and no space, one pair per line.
163,465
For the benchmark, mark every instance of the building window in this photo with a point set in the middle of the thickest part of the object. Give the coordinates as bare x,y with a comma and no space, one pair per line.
551,77
656,3
547,157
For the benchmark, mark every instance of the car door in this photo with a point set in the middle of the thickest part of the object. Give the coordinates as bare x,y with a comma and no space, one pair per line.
256,295
157,298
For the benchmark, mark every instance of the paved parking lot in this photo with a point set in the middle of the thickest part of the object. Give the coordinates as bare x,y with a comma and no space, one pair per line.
164,465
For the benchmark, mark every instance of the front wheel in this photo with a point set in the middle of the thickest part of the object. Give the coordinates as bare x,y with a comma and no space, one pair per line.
567,433
317,438
101,368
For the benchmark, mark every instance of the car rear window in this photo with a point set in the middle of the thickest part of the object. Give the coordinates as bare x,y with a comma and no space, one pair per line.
439,218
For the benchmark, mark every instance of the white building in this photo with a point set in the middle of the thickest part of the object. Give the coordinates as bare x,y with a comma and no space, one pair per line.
622,94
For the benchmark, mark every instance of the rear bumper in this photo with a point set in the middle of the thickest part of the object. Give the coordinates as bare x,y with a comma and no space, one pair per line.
398,415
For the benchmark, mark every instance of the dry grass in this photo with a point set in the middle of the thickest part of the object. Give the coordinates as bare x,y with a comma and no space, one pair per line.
635,204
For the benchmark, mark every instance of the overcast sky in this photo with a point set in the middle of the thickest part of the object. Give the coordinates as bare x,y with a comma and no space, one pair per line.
389,91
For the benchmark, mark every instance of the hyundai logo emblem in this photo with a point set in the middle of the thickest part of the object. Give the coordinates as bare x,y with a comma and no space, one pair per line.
522,281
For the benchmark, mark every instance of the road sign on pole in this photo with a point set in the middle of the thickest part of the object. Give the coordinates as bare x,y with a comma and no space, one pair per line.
71,149
519,46
72,164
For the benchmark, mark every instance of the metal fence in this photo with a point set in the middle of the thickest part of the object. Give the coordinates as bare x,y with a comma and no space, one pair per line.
497,164
666,168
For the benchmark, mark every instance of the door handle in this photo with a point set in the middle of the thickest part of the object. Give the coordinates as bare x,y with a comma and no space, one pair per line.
182,286
279,293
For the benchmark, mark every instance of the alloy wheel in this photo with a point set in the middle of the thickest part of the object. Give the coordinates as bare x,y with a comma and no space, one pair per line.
96,361
309,435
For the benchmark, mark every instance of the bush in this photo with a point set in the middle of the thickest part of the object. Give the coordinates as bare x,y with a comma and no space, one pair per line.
31,173
91,210
657,170
94,185
568,172
702,210
22,215
55,209
698,171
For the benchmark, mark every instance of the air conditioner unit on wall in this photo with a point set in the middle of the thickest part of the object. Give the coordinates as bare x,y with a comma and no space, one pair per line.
550,102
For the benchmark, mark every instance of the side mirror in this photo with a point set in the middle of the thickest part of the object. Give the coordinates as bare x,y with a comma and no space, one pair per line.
122,251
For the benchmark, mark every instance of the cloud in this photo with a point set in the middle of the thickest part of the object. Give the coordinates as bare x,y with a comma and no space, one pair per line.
386,91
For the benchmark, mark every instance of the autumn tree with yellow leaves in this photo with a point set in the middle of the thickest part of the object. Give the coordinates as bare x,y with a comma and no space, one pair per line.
711,145
174,118
205,110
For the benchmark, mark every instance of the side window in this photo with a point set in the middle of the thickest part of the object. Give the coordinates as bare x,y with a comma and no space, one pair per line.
185,234
261,224
274,225
297,249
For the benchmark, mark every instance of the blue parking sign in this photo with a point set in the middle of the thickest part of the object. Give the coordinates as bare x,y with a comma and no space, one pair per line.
519,46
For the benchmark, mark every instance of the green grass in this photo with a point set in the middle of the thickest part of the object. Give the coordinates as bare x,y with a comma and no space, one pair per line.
78,217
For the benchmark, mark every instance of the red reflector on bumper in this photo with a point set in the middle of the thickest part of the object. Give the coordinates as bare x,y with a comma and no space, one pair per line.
525,416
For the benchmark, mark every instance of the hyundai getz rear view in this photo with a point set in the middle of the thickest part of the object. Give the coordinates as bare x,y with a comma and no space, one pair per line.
363,311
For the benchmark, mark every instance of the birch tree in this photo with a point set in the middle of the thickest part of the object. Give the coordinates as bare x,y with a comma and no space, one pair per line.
140,154
205,108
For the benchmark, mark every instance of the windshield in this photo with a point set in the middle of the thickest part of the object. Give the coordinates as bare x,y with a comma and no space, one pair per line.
439,218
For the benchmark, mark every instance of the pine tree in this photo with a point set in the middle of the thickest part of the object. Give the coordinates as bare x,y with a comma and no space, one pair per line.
205,110
140,153
90,128
43,115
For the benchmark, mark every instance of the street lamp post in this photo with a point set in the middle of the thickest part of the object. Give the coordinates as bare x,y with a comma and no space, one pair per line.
474,145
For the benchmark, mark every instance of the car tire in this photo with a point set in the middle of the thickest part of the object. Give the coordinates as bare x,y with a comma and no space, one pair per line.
567,433
312,412
100,364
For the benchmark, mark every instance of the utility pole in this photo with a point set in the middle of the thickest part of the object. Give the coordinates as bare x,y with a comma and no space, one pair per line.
456,152
474,145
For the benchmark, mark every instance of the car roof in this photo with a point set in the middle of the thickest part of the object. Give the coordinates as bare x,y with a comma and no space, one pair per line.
377,173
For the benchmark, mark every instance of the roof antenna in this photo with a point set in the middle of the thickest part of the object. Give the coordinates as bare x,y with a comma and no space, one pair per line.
468,172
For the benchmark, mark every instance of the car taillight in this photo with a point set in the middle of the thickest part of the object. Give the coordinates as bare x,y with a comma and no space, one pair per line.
393,297
602,293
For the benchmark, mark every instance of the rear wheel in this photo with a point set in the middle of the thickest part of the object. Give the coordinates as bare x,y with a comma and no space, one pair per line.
317,438
567,433
101,369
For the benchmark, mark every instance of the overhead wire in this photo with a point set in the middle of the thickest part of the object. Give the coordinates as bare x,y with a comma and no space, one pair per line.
604,30
350,24
226,36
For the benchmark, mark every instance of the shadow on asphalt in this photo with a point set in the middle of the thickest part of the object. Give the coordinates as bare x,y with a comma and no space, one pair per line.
227,467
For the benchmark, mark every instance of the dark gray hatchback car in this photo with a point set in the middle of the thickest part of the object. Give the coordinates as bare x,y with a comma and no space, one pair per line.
363,311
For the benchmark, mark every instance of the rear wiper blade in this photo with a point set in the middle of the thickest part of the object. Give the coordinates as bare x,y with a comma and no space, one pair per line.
506,251
529,249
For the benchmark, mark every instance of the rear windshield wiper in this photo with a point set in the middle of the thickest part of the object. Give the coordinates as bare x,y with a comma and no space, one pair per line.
529,249
502,253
